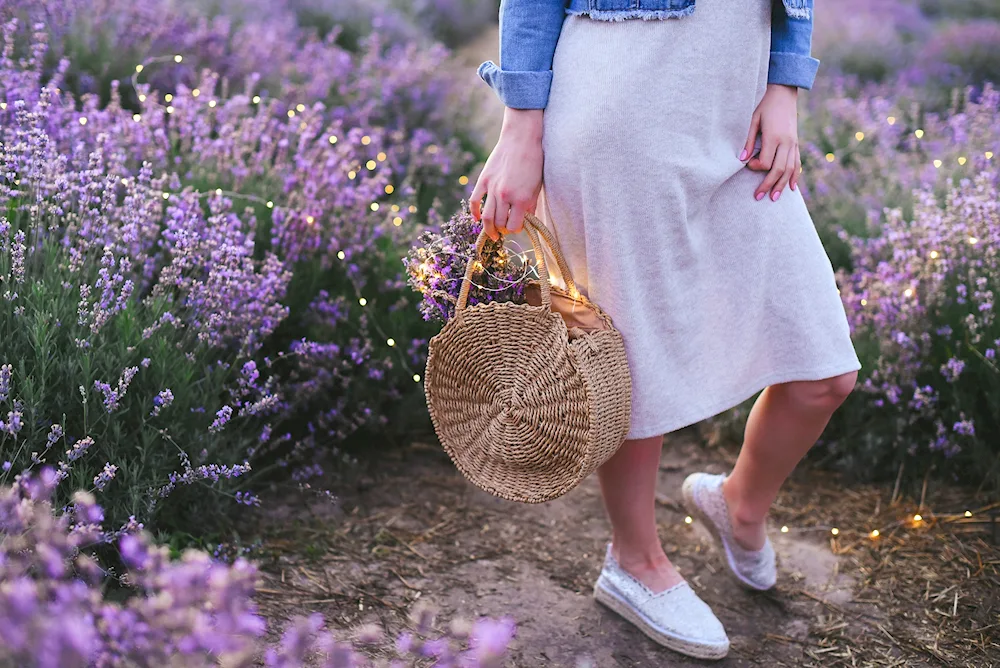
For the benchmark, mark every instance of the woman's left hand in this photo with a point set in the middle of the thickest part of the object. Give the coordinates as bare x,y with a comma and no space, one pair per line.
776,120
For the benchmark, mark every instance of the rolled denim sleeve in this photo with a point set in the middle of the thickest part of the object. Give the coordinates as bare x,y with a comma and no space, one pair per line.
791,62
529,30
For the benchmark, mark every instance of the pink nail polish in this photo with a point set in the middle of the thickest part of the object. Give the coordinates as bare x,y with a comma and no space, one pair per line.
759,196
743,155
776,195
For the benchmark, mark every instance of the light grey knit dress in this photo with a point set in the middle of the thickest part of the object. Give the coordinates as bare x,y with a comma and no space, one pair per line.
716,295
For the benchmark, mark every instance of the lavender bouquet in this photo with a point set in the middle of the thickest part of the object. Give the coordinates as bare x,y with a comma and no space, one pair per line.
436,264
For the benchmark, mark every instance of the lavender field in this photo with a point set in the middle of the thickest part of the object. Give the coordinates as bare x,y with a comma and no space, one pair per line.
211,216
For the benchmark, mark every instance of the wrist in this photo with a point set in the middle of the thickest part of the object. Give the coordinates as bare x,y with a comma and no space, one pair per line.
525,123
785,88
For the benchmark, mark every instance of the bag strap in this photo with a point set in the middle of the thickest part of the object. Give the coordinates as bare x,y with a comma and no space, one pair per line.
535,229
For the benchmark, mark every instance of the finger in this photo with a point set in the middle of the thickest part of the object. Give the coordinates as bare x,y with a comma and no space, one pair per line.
489,216
515,220
476,199
789,169
766,160
503,212
751,136
796,169
777,170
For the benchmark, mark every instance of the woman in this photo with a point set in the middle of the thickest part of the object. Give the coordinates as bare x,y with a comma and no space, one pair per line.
670,171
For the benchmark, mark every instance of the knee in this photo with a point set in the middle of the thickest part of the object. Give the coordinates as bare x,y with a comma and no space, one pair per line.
827,394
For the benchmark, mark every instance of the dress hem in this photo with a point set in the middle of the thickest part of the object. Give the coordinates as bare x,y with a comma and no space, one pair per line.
740,397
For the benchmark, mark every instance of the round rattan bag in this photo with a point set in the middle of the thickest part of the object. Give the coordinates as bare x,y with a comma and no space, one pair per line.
529,399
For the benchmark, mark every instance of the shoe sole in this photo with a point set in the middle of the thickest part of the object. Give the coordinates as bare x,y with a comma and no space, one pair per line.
687,492
676,643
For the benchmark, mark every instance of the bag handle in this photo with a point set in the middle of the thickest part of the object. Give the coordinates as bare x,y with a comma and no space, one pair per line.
535,229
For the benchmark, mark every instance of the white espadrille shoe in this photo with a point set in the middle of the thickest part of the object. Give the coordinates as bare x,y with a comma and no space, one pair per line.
675,618
703,498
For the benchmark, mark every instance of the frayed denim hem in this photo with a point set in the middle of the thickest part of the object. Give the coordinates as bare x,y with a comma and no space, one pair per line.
625,15
798,12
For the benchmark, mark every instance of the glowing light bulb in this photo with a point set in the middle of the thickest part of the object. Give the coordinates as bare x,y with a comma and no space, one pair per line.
968,513
917,518
168,97
83,120
397,221
389,189
341,255
416,377
412,209
310,220
333,139
371,164
830,157
170,110
934,255
432,149
362,301
688,520
859,135
212,104
291,113
961,159
351,174
973,241
784,529
835,531
381,156
989,155
937,164
908,292
218,191
256,99
864,302
366,140
374,206
891,120
463,180
178,58
142,98
138,68
166,195
390,342
395,208
300,107
195,93
136,117
919,133
874,533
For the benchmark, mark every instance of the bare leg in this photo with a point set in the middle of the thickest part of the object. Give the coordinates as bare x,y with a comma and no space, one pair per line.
628,482
784,423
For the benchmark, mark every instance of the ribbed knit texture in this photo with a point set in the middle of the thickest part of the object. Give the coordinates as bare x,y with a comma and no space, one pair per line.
715,294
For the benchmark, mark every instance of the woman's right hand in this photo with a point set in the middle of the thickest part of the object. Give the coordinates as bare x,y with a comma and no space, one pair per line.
512,176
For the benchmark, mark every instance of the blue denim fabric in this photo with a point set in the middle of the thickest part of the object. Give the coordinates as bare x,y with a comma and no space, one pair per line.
529,31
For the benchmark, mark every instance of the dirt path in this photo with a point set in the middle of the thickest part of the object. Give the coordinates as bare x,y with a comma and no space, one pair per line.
413,528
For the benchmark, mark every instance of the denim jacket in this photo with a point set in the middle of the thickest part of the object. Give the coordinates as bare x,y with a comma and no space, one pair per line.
529,30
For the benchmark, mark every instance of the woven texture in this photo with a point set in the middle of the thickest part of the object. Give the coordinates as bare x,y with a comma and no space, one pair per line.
525,412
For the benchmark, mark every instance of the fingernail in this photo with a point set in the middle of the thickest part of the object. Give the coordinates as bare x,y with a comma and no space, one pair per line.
759,196
775,195
743,155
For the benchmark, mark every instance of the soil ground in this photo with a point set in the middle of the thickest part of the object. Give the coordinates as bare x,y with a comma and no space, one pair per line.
410,528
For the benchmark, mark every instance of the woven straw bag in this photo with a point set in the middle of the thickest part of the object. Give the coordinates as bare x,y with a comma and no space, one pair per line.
529,399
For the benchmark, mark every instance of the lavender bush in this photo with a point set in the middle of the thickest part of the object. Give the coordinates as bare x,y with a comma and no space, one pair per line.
133,319
863,154
57,612
921,305
218,271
